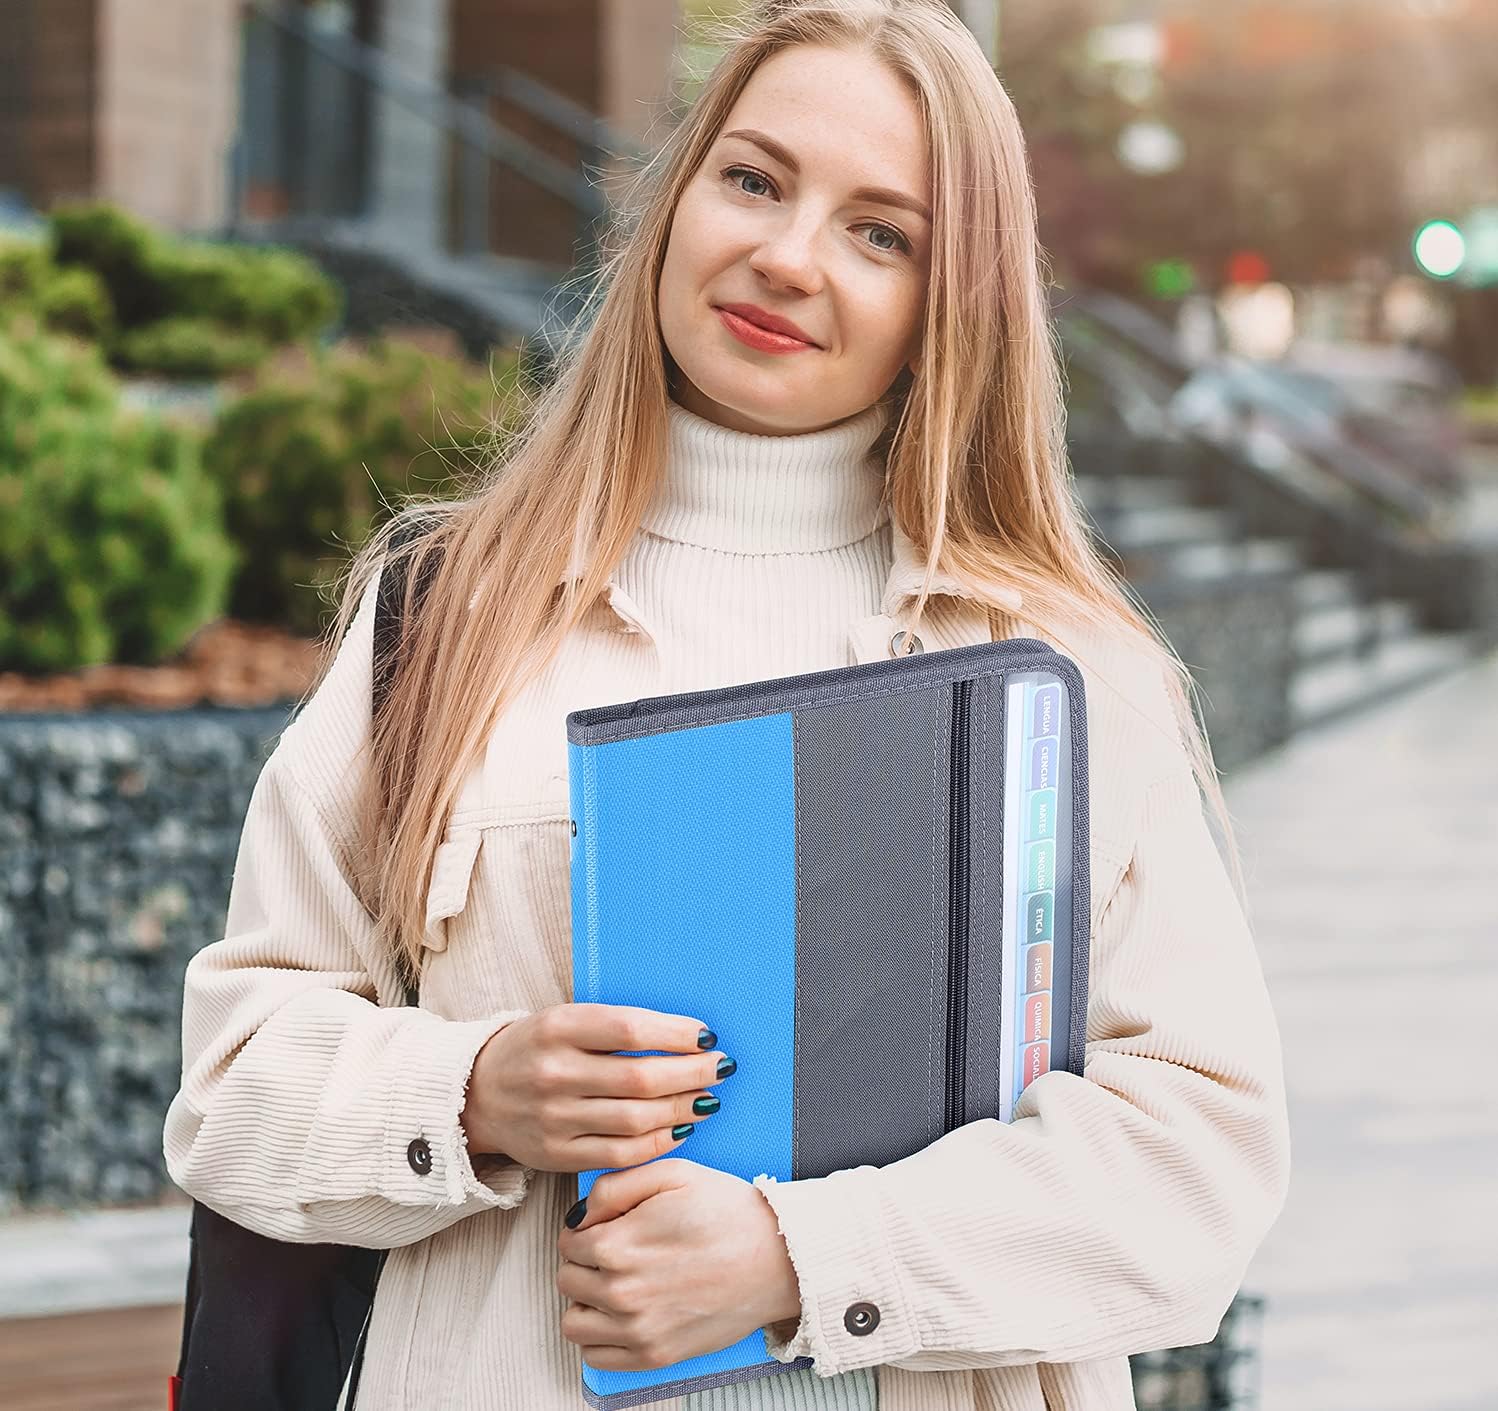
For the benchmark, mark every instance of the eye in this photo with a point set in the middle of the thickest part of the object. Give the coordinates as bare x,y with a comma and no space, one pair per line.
901,245
731,174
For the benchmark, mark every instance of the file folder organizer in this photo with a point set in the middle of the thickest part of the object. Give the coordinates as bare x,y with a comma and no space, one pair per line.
871,882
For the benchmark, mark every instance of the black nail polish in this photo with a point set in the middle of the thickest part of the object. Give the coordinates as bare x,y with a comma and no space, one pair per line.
707,1039
574,1217
685,1130
726,1066
705,1106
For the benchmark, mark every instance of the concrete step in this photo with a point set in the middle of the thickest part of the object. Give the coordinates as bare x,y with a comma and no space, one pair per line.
1109,493
1320,587
1329,630
1327,690
1155,527
1214,559
70,1263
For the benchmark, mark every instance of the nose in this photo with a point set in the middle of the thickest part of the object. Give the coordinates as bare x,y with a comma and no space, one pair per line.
788,258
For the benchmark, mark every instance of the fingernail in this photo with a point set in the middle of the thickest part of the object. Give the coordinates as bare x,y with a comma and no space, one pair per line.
574,1217
726,1066
685,1130
707,1039
705,1106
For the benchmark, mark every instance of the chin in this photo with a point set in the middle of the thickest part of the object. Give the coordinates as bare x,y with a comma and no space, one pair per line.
782,412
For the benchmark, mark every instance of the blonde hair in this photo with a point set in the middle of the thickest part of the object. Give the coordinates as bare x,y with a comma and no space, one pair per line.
977,471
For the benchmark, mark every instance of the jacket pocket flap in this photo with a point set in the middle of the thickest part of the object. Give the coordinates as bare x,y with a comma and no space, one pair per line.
452,869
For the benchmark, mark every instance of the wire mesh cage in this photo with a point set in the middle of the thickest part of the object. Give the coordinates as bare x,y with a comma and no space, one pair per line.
1221,1375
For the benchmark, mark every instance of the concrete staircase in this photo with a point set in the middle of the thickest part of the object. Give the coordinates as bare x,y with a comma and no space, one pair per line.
1351,650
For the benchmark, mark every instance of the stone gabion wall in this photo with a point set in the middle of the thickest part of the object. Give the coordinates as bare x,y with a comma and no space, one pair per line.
1238,638
118,834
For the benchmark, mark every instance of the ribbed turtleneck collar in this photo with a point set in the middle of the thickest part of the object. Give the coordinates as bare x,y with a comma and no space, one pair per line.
748,493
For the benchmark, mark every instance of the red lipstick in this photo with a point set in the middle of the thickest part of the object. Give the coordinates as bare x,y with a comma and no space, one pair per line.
767,332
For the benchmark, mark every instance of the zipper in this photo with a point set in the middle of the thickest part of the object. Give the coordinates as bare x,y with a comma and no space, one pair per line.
957,906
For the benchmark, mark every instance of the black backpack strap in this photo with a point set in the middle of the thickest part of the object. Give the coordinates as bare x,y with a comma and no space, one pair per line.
267,1325
389,601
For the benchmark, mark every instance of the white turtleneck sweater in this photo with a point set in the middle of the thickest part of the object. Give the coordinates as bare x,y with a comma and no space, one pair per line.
1116,1218
760,550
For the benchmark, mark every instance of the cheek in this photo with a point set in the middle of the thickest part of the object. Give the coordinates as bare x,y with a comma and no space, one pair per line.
889,321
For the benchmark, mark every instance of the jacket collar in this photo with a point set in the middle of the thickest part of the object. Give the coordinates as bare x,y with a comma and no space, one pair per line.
901,587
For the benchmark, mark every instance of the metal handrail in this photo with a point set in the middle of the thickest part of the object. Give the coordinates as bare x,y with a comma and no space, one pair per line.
455,116
570,118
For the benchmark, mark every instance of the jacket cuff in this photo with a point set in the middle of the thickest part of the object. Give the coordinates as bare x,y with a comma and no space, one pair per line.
854,1312
426,1147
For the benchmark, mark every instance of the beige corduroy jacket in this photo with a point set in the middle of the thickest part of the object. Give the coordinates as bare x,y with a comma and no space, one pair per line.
1015,1265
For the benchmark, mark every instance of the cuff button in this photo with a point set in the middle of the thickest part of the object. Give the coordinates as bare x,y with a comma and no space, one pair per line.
861,1319
419,1156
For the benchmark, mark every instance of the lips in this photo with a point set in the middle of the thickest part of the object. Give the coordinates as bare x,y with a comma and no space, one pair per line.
773,323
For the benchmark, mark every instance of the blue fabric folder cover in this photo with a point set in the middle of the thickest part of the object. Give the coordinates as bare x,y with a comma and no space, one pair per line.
870,882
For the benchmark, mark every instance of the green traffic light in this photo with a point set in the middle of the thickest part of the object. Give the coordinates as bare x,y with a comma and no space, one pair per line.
1440,248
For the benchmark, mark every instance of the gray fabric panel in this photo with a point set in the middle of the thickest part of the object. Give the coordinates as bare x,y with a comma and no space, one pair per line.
985,899
871,789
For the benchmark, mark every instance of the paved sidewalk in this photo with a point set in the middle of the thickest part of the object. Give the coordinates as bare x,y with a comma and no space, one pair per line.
1370,849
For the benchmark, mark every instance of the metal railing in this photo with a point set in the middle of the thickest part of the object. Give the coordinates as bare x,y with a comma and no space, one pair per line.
313,100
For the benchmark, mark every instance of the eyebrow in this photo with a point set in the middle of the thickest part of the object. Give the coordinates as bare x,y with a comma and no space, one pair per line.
882,195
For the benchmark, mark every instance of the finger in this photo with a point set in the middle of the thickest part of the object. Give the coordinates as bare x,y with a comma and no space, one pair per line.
615,1193
612,1358
602,1153
628,1028
635,1117
619,1075
586,1286
583,1323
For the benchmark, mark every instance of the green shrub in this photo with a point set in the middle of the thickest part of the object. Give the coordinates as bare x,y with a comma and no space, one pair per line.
25,267
277,294
77,301
112,546
310,462
188,347
192,308
124,253
45,378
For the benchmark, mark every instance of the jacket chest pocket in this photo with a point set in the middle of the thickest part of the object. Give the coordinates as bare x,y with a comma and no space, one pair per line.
499,915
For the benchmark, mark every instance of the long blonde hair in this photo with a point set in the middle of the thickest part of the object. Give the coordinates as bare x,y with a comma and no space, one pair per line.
977,471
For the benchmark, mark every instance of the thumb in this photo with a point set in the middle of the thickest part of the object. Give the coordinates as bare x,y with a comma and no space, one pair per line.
616,1193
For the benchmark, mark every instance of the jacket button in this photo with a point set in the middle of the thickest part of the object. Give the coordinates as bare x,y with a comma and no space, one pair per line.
419,1155
861,1319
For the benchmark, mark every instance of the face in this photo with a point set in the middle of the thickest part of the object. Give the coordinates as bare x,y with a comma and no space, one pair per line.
802,212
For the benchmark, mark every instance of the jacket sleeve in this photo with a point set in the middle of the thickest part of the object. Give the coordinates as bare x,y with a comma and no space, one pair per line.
301,1096
1118,1211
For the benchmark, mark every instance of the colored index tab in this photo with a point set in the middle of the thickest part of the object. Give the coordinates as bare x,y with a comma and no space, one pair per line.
1041,821
1044,759
1039,910
1045,711
1040,866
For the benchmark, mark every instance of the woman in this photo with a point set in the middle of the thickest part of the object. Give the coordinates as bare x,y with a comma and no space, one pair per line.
697,502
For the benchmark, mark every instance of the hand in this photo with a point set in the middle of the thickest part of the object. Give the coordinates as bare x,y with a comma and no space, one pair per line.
552,1092
671,1260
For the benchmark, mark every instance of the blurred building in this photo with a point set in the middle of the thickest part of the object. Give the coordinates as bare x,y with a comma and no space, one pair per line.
202,113
130,100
